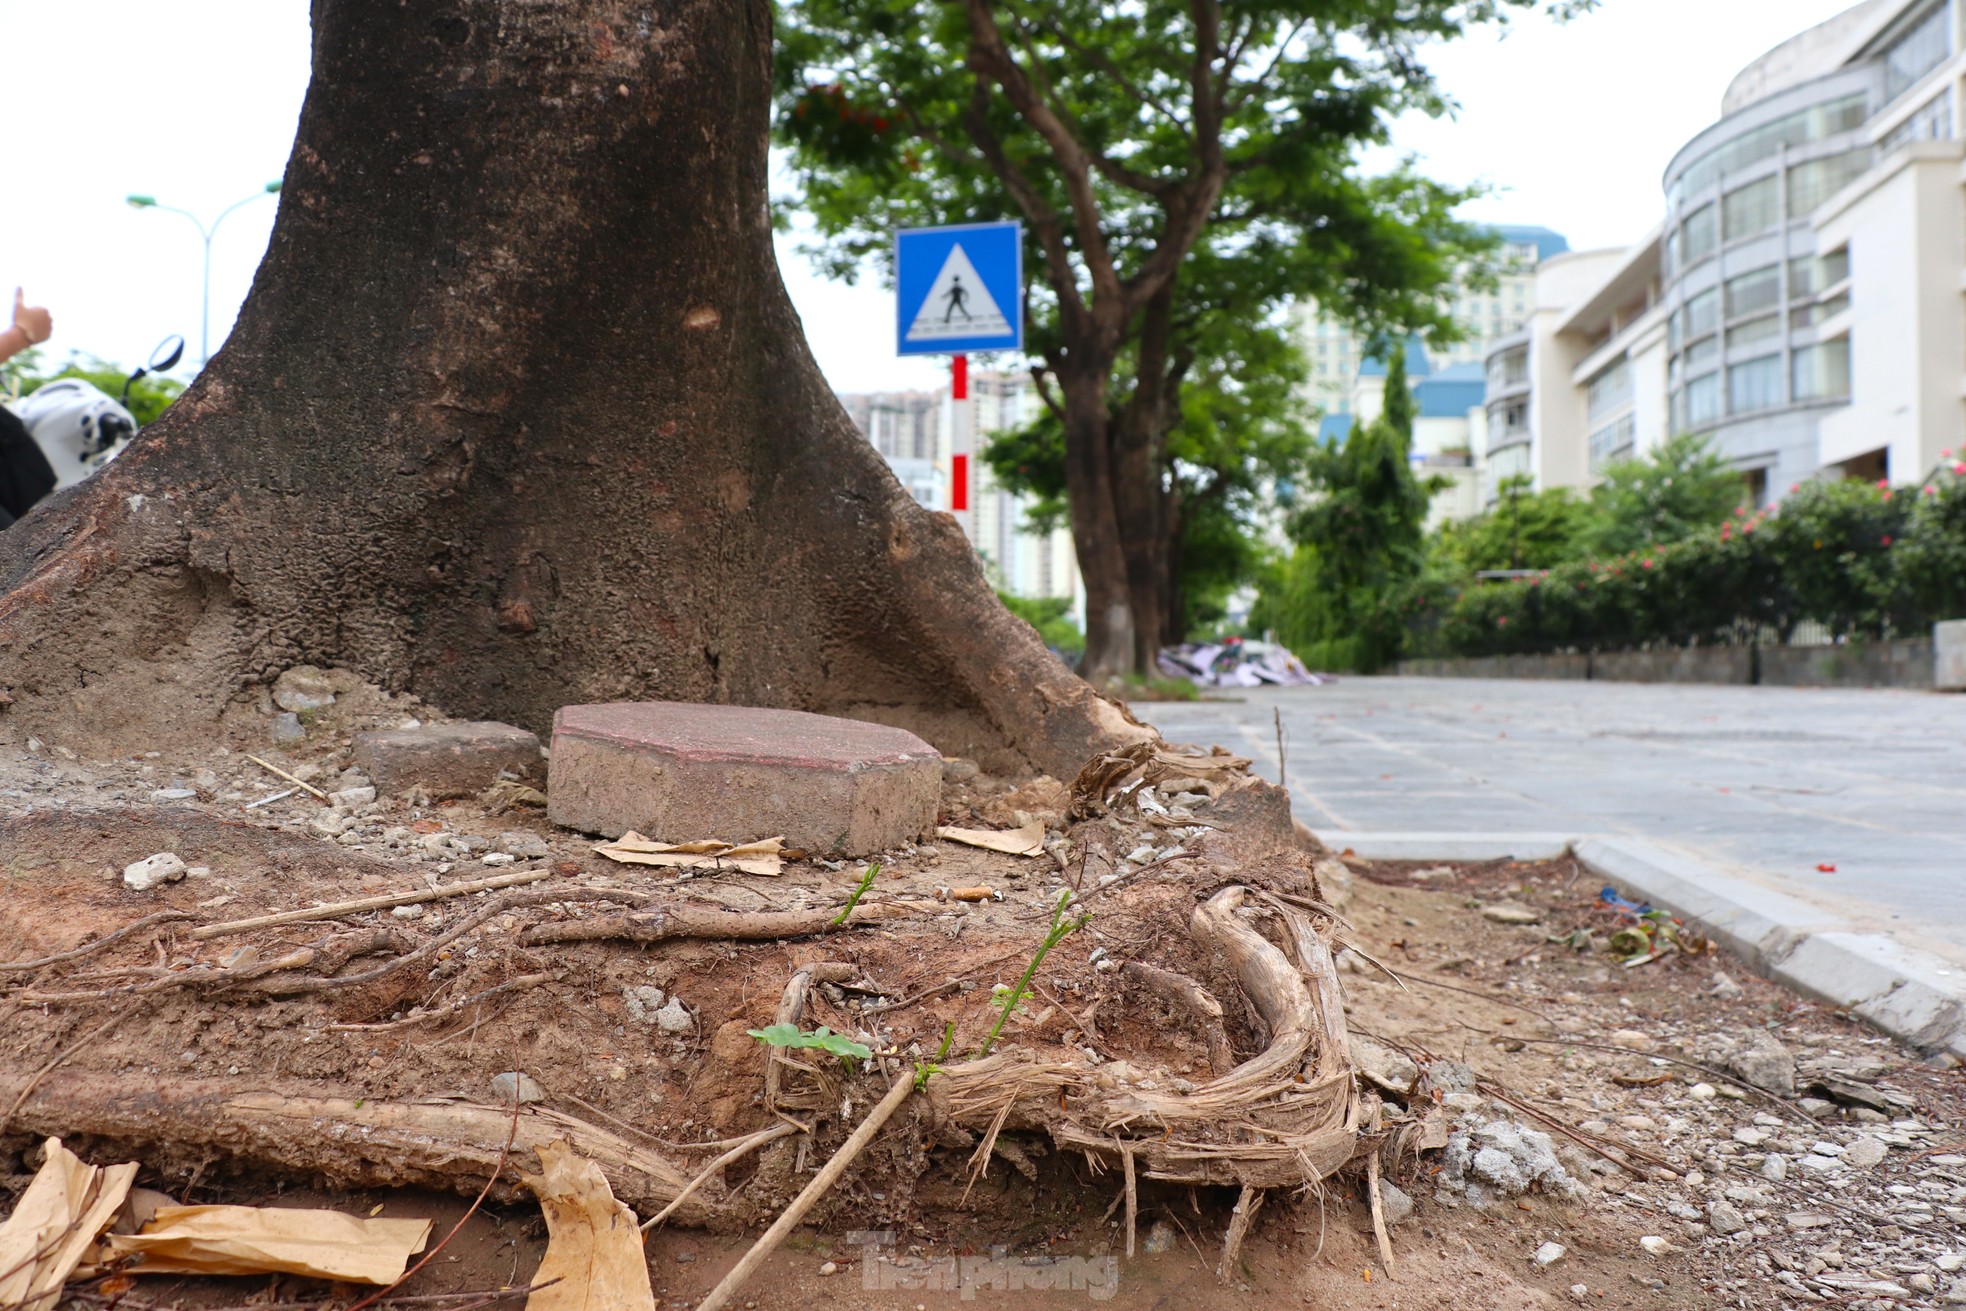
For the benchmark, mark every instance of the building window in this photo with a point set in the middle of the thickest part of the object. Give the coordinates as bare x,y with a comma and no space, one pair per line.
1749,211
1812,183
1702,353
1753,292
1613,442
1701,314
1756,385
1764,142
1754,330
1920,50
1812,277
1702,401
1810,315
1610,389
1698,236
1931,121
1822,371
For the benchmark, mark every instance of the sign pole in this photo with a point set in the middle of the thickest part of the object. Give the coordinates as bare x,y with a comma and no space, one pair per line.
962,442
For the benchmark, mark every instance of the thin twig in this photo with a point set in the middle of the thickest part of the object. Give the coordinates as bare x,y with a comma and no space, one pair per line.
498,1168
828,1175
88,948
383,901
60,1056
743,1148
275,769
510,985
1379,1233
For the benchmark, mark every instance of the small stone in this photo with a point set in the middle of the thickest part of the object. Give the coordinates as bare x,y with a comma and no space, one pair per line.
352,798
1159,1239
1815,1107
303,688
1632,1040
1725,1219
1775,1168
1808,1220
1580,1291
174,794
498,858
1865,1152
1819,1164
1550,1253
1398,1207
1922,1283
152,871
286,729
1655,1245
1724,988
1462,1102
1639,1123
1511,912
1951,1261
1391,1070
829,1268
513,1083
1765,1063
1702,1092
1956,1294
675,1017
526,846
643,1003
413,912
331,823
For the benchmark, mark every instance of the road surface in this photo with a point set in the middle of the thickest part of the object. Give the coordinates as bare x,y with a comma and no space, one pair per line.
1772,782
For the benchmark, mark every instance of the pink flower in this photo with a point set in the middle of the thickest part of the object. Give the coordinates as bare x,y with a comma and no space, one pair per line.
1646,565
1887,539
1502,621
1887,496
1959,468
1883,484
1794,488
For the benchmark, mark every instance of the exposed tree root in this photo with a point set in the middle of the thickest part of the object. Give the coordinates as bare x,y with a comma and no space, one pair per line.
666,923
451,1146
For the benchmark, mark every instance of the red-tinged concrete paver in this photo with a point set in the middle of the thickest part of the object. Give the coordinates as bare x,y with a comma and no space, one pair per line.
677,772
448,760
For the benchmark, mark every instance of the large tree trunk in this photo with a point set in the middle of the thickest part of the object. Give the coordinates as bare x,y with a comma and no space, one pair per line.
1110,624
518,414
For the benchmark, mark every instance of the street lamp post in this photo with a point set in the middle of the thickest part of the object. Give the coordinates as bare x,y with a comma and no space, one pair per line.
205,322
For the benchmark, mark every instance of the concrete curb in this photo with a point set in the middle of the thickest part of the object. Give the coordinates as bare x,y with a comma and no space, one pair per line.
1911,995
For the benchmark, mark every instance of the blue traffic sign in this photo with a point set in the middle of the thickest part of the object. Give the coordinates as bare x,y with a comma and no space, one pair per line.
960,289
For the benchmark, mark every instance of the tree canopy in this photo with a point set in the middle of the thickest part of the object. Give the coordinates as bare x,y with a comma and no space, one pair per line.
1167,159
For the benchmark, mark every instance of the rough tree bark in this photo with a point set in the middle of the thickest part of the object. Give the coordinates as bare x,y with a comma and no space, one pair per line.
518,414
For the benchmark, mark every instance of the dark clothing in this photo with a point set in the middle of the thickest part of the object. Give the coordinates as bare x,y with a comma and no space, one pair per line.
25,474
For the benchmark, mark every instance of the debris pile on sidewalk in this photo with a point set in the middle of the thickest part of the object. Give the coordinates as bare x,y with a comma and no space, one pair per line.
1237,662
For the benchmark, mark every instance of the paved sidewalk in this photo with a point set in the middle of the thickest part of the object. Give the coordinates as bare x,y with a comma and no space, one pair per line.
1771,782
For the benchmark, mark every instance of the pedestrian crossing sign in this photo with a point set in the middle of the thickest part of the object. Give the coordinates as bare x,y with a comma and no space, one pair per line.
960,289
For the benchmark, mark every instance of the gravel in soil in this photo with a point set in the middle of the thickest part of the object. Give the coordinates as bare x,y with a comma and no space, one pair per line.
1852,1191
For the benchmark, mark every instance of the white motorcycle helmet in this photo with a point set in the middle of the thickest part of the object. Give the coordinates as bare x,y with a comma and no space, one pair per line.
78,428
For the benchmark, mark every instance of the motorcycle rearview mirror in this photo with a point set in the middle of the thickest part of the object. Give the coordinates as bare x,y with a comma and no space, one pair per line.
166,356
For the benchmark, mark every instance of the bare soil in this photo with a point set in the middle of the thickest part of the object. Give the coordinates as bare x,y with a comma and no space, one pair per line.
1539,1022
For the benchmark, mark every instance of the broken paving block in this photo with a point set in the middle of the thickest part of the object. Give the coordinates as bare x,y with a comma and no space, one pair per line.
447,760
678,772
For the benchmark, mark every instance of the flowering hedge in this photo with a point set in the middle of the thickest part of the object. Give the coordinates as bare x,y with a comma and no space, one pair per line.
1865,560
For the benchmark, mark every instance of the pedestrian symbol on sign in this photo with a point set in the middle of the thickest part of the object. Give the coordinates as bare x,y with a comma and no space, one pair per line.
958,307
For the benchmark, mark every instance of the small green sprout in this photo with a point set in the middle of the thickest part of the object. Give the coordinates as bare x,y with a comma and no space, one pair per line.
822,1038
866,882
1061,929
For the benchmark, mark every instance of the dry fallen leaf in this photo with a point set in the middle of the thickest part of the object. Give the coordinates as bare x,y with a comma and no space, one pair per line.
1026,841
249,1240
765,857
594,1257
66,1206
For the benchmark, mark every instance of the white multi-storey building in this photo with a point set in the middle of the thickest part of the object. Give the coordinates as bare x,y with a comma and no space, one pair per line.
1801,305
913,431
1335,356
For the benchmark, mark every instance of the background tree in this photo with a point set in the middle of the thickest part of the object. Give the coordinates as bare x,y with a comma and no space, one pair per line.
518,414
1667,495
1120,133
1524,529
1361,534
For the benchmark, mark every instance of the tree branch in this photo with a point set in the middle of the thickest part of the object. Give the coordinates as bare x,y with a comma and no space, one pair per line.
1045,224
989,55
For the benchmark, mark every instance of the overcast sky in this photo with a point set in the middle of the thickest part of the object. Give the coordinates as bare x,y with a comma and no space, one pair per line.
195,103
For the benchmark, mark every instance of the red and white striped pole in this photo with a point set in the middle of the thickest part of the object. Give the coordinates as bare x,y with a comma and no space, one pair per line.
962,441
